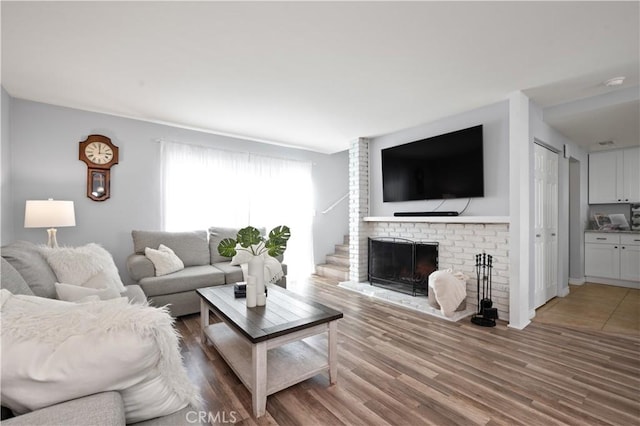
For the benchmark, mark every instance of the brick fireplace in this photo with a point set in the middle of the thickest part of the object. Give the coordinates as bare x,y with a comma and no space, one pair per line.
459,238
458,243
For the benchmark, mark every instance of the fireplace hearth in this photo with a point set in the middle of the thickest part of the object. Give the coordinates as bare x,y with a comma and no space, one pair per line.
401,264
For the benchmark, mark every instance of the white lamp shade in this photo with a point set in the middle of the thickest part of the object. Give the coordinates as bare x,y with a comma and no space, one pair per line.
49,214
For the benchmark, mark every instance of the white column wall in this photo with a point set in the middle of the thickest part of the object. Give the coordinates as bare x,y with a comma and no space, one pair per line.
358,209
520,155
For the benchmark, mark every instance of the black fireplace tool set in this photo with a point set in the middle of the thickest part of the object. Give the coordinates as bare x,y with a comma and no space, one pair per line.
487,314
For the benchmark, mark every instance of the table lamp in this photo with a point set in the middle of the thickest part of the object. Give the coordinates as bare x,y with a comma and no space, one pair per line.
49,214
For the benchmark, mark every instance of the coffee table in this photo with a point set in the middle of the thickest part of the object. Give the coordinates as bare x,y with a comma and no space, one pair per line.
264,345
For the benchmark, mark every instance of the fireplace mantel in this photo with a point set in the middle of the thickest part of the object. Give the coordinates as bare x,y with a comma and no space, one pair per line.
439,219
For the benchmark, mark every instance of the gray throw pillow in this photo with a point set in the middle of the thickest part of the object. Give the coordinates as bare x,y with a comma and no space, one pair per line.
11,280
26,258
217,234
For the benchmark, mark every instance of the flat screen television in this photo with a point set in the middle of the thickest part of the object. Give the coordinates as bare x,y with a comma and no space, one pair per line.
436,168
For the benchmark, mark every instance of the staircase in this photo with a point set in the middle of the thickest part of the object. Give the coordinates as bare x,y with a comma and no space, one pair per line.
337,264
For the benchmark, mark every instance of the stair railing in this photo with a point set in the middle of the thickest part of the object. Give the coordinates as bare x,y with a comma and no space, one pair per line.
332,206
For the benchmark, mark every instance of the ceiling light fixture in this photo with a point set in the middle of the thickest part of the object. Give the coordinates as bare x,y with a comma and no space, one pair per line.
615,81
605,143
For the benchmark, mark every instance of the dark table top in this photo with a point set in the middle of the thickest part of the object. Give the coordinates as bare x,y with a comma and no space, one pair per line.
285,312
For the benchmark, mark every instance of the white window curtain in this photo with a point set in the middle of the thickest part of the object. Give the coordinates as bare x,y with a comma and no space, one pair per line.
205,187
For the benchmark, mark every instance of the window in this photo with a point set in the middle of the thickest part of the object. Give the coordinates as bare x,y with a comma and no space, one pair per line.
205,187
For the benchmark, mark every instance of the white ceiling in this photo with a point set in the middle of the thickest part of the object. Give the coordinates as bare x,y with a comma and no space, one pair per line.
317,75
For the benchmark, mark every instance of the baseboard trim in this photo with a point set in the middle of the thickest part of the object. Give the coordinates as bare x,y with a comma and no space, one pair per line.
612,281
577,281
518,326
564,292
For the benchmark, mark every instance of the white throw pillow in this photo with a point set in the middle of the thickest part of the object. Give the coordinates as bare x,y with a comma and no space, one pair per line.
99,281
33,302
164,260
79,265
74,293
81,346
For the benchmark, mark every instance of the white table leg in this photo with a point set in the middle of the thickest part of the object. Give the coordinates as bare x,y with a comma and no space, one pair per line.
259,378
333,352
204,320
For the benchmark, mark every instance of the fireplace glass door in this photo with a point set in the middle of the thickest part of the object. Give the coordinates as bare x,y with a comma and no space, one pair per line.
401,264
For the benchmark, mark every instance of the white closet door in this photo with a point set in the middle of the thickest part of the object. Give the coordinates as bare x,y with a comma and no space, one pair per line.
545,224
539,241
551,224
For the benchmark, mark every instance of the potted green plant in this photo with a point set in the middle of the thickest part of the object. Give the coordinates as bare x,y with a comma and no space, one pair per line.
259,255
250,240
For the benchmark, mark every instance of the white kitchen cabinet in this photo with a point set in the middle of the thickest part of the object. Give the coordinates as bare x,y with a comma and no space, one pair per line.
602,256
630,257
614,176
615,256
631,175
603,177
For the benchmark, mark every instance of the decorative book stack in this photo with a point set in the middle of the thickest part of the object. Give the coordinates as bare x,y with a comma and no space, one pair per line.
240,290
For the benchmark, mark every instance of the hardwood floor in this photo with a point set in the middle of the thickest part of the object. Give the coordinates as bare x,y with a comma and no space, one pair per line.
401,367
596,307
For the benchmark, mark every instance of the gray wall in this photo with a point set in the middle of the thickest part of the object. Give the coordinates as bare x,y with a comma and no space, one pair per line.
330,228
6,217
44,155
496,163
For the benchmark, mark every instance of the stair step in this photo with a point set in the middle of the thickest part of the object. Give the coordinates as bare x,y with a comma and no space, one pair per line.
338,259
342,249
338,272
337,264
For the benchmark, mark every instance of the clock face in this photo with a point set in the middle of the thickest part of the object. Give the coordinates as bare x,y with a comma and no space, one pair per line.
98,152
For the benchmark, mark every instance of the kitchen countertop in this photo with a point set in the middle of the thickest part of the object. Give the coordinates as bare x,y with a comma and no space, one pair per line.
611,231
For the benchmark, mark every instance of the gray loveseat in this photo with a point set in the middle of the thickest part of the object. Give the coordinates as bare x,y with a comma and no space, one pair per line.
204,267
24,270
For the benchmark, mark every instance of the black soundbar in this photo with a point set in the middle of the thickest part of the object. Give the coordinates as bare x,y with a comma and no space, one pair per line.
417,214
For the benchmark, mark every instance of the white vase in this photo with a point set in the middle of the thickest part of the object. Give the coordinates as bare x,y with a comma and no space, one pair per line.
256,269
251,292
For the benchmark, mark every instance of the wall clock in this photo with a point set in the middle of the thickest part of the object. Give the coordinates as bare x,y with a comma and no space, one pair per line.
99,154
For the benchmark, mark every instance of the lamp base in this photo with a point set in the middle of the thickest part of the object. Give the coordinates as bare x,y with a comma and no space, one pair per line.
53,243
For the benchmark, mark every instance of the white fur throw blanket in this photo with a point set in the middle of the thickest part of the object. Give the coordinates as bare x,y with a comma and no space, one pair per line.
54,351
449,288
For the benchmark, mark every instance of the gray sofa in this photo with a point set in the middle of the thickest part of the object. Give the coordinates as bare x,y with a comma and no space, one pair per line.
23,270
101,409
204,267
24,258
